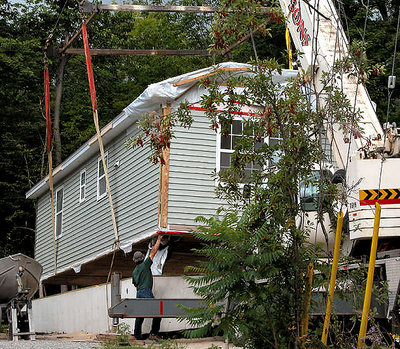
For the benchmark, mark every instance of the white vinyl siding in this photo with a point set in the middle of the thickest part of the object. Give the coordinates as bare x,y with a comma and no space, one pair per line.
87,228
192,163
101,178
82,185
59,211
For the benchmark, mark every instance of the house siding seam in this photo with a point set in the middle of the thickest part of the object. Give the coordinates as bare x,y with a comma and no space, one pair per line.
192,161
87,226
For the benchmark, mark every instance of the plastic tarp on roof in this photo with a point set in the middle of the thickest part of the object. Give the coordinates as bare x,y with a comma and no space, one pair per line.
150,100
166,91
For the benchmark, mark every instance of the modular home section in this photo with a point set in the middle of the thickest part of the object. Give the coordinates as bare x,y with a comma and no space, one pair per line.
86,225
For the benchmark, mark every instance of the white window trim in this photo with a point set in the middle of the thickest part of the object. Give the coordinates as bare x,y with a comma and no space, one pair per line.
99,159
62,213
219,150
80,186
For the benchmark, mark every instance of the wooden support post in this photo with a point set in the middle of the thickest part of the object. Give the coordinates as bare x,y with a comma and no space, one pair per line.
164,181
370,279
336,253
159,193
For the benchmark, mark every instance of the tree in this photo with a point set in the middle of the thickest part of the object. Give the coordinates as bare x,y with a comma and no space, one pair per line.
378,45
257,263
21,121
25,28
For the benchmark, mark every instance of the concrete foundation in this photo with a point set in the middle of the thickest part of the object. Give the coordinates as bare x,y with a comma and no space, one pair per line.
86,309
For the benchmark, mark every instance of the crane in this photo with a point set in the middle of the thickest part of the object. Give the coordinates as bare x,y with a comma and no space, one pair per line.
368,161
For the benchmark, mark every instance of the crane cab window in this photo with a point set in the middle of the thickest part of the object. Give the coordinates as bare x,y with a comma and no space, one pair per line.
309,190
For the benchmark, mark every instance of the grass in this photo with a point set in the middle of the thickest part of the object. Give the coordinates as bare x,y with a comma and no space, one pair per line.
163,344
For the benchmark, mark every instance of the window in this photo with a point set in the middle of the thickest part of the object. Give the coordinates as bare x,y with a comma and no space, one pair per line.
309,190
59,211
227,145
101,178
82,186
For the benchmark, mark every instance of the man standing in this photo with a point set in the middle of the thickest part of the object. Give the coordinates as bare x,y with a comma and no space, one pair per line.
142,278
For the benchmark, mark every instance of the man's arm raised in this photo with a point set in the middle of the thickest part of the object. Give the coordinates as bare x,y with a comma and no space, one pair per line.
155,247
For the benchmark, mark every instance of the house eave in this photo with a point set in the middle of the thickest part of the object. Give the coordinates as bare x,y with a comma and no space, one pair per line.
85,152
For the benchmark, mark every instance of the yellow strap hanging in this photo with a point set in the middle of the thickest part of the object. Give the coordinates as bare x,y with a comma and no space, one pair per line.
289,48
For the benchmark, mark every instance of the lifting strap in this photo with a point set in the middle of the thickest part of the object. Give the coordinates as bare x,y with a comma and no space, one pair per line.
289,48
50,157
96,124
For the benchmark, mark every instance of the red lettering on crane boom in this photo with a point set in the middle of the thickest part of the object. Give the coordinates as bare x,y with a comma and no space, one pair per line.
298,21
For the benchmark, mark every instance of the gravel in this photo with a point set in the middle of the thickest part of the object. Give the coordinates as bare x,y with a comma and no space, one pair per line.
48,344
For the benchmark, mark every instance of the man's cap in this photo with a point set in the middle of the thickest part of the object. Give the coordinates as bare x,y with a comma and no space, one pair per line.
138,257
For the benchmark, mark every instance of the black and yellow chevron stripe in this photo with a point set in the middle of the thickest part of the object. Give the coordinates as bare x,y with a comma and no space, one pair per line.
383,196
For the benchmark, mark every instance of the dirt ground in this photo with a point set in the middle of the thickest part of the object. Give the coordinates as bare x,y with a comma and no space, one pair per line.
89,340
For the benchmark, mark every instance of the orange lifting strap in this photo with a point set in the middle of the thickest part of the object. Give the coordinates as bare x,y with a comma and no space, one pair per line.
50,157
96,124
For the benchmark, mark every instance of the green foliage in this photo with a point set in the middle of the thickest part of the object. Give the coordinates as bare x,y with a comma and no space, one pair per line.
20,121
247,278
123,330
25,27
378,48
164,344
255,265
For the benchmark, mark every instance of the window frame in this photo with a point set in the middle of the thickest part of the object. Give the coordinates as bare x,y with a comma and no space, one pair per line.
99,160
61,212
82,186
219,149
309,201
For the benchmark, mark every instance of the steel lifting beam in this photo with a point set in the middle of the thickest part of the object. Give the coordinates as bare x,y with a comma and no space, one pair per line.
87,6
134,52
146,307
94,8
152,307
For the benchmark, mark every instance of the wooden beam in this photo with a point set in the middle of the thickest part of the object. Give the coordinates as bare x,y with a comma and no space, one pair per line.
165,181
186,91
91,7
183,82
181,227
107,51
244,38
68,44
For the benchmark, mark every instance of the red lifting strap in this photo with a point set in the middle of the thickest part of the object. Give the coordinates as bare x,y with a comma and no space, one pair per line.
89,67
47,103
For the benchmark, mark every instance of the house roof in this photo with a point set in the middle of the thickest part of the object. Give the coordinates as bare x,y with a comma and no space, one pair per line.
172,90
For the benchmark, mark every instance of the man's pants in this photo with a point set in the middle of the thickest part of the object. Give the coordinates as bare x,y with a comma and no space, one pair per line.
155,327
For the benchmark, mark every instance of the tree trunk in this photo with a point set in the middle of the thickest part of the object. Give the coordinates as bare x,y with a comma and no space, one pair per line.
57,106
